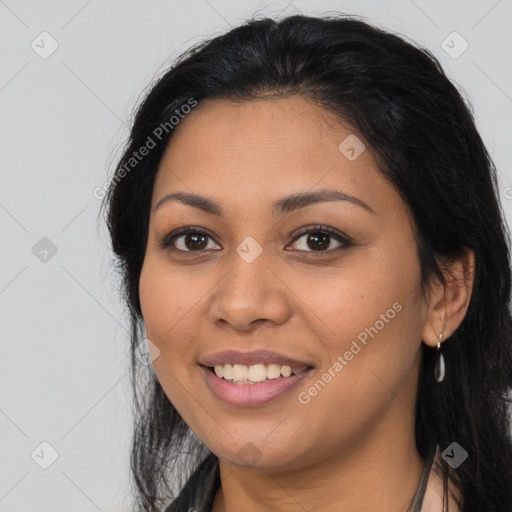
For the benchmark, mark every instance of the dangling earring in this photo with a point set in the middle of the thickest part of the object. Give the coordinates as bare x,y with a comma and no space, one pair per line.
439,369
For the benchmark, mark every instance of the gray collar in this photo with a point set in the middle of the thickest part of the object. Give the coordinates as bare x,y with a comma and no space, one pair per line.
417,500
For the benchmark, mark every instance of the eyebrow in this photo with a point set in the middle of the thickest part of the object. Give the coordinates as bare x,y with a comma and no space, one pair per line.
280,207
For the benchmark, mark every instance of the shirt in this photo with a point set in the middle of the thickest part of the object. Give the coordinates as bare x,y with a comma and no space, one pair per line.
199,492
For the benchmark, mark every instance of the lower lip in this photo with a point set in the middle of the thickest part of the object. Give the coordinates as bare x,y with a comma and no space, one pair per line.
252,394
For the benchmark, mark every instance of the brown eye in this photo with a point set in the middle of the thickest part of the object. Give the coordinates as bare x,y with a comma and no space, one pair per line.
194,241
320,239
188,240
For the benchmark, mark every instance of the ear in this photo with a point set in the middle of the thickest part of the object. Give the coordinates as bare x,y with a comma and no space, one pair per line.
448,303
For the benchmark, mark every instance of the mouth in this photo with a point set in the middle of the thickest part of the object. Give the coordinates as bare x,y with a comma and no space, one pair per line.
254,385
254,374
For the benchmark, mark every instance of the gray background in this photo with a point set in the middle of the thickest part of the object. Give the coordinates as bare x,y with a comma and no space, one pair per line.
64,367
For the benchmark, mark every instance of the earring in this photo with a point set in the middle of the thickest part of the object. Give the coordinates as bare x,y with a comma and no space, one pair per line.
439,369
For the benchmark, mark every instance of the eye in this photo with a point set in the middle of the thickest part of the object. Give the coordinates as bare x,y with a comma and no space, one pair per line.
189,239
319,239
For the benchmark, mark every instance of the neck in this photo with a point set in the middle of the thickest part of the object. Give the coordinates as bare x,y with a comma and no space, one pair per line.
380,472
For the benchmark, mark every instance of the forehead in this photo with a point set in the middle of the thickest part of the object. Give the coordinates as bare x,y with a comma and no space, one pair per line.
262,128
267,148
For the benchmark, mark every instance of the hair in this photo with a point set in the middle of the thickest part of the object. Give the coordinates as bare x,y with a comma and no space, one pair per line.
423,137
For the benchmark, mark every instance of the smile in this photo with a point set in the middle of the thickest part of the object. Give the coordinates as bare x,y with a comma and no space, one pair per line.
254,385
244,374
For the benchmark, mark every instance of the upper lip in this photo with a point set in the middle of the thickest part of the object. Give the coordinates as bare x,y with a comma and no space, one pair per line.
251,358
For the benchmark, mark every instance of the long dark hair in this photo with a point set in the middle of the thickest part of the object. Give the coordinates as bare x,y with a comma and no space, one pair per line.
423,137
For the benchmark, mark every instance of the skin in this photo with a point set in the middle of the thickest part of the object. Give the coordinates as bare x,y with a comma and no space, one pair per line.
351,447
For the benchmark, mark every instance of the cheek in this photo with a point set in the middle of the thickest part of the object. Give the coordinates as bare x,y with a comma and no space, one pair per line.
343,304
164,304
168,312
154,301
369,313
174,311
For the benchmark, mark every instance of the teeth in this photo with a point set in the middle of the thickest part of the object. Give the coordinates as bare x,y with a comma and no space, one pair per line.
243,374
227,370
257,373
286,371
240,372
273,371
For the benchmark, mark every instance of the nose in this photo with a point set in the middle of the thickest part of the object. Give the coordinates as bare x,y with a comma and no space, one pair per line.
250,294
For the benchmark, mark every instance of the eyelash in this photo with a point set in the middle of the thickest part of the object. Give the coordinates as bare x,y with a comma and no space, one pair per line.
167,242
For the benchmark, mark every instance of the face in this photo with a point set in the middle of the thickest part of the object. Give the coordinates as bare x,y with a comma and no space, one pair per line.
242,275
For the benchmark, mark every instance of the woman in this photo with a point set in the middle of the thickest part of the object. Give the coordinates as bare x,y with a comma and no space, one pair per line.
308,229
